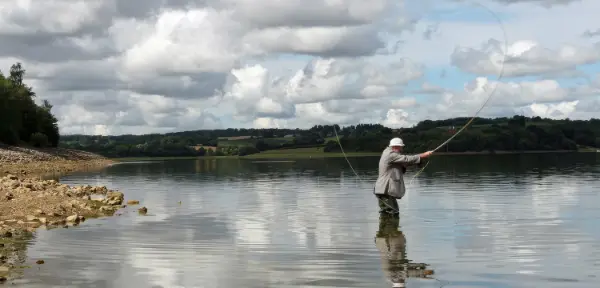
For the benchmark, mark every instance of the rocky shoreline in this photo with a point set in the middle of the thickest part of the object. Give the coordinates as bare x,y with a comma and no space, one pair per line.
35,162
29,202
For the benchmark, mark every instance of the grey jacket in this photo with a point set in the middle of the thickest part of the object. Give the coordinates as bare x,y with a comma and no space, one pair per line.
391,174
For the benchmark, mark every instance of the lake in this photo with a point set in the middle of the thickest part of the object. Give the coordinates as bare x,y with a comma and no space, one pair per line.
476,221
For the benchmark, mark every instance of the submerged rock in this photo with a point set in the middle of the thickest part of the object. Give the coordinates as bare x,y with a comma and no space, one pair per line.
143,210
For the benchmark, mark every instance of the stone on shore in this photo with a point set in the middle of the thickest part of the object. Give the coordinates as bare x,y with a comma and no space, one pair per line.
73,219
114,198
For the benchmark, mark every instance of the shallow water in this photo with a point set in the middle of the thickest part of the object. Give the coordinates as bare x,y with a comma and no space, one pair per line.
478,221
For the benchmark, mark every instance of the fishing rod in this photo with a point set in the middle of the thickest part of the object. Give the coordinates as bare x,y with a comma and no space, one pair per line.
493,91
500,76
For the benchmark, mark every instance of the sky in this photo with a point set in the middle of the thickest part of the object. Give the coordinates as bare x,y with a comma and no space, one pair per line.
114,67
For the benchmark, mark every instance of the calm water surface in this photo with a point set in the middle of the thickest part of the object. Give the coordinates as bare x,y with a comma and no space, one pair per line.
477,221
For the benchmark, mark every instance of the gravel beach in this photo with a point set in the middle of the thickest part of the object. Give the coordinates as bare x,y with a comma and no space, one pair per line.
28,202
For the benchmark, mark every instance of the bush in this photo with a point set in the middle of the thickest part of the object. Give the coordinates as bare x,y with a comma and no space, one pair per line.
39,139
247,150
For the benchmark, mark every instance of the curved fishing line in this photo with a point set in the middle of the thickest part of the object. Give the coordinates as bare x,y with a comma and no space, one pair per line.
500,76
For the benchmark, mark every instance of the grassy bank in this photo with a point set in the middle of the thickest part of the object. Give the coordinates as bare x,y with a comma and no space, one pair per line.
317,152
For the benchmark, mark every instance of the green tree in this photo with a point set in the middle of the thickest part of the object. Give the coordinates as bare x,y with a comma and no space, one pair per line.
20,117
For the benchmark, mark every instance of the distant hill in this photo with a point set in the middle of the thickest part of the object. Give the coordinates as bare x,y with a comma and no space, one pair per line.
516,133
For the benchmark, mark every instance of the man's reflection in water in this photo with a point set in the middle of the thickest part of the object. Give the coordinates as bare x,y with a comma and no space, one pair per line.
391,243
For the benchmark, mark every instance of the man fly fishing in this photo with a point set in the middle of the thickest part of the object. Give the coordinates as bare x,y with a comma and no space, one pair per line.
390,182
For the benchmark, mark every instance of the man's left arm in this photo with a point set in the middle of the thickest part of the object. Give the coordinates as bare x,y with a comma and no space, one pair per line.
397,158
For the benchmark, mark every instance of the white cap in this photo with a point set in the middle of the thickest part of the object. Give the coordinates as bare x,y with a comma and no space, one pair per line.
398,285
396,142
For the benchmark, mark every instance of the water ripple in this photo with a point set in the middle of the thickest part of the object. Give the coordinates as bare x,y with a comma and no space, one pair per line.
520,222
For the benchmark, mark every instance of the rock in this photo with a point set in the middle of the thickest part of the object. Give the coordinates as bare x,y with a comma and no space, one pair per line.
114,202
73,218
33,224
43,220
133,202
39,212
6,234
58,222
86,197
114,198
39,262
143,210
107,209
31,218
9,196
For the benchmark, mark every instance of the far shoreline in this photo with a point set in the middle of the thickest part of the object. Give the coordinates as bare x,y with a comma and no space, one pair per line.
319,155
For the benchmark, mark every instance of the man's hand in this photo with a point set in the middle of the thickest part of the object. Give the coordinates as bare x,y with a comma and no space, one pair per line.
425,154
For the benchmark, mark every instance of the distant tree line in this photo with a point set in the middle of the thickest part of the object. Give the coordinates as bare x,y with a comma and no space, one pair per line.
193,143
516,133
22,121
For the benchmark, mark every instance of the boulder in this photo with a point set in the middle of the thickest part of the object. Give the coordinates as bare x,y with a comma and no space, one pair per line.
73,219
